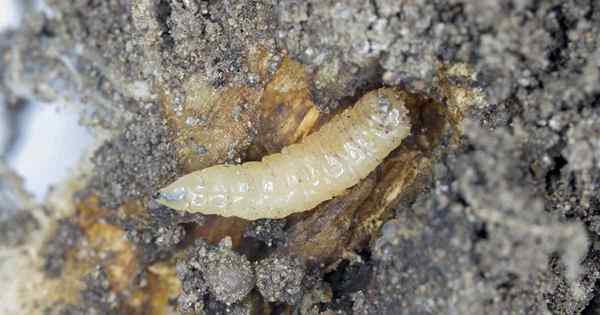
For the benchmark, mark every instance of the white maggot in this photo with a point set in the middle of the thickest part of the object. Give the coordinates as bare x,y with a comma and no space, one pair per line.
322,166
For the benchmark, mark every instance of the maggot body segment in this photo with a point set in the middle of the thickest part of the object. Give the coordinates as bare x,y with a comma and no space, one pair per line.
322,166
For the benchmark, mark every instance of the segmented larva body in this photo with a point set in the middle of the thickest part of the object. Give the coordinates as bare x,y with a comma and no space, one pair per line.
322,166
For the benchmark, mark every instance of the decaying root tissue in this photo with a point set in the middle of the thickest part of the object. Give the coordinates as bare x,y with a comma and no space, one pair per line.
326,163
319,235
287,111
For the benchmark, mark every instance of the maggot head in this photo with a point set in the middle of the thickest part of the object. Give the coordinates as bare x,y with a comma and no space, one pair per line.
180,196
173,198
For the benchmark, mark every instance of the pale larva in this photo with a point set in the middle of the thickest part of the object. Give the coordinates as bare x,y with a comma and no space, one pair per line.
322,166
